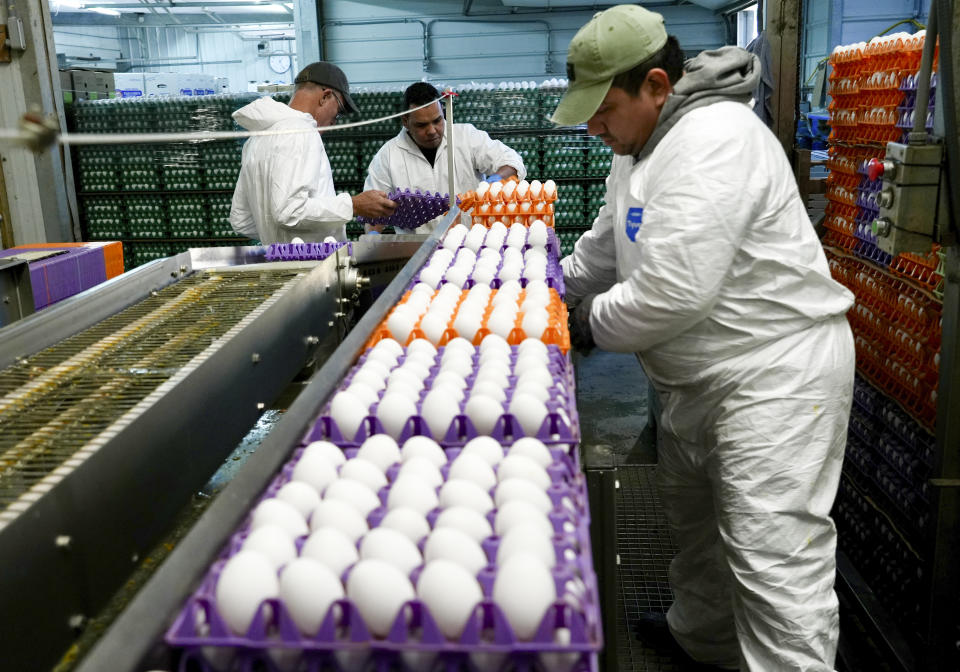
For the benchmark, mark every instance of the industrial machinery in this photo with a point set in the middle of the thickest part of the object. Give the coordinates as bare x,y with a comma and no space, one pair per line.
118,403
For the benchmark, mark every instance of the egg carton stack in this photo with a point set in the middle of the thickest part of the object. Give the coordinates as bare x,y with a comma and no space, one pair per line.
414,208
304,251
454,394
420,558
510,201
478,255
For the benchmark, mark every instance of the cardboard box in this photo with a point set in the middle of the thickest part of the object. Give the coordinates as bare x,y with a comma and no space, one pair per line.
66,86
129,84
160,84
93,84
221,84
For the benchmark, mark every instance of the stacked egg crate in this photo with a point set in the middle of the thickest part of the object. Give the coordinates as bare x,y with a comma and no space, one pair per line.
414,208
303,251
471,551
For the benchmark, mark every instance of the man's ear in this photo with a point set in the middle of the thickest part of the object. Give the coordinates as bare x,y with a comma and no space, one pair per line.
658,83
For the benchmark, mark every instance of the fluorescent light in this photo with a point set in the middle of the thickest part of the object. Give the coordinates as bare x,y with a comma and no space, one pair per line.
104,10
73,4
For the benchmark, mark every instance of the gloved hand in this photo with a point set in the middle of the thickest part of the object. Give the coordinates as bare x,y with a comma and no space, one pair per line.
496,177
581,337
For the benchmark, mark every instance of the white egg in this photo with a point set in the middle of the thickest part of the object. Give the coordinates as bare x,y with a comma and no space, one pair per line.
423,446
417,368
391,546
529,412
301,496
485,447
273,543
533,448
272,511
402,389
496,366
381,450
490,389
535,252
526,539
422,288
451,378
457,275
401,322
329,451
524,589
473,468
534,389
332,547
561,662
390,345
369,376
518,512
549,188
510,271
413,492
501,324
534,271
458,492
438,410
422,468
405,377
393,412
484,273
348,412
535,188
494,355
431,276
379,590
409,522
384,356
466,324
494,343
535,323
354,493
483,412
522,188
529,363
367,396
537,235
433,325
451,593
421,357
495,189
466,520
308,589
452,544
520,466
364,471
491,254
247,580
341,515
539,376
496,376
458,363
515,488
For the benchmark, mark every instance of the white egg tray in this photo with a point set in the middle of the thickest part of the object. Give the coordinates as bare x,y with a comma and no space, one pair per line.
566,640
559,426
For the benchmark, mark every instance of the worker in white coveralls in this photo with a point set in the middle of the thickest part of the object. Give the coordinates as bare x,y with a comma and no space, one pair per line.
417,157
704,262
285,189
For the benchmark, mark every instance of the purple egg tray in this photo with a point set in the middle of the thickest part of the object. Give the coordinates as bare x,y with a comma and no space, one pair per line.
414,208
304,251
343,638
561,424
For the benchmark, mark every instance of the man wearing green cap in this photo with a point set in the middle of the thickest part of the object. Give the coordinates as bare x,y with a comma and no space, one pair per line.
285,191
704,262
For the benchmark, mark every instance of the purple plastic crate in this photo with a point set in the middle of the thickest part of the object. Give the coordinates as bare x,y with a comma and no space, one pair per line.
304,251
414,208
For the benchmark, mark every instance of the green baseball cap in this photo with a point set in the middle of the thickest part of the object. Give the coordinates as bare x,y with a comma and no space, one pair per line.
614,41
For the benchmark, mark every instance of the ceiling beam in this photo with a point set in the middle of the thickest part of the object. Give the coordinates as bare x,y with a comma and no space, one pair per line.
133,20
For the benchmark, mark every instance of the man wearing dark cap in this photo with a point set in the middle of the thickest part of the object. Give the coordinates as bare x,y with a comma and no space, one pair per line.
285,190
704,262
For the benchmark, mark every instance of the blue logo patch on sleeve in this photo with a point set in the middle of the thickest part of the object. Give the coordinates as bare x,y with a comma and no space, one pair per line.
634,220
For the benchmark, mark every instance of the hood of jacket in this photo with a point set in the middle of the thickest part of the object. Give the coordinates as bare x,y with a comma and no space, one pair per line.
266,112
716,75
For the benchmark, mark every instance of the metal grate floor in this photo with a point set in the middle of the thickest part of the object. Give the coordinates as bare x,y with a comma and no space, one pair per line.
58,400
645,549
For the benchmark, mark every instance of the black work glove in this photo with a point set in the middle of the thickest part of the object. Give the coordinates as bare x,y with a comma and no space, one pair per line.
581,338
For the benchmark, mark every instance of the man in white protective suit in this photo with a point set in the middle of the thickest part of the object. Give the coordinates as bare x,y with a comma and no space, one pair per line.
417,157
285,189
704,262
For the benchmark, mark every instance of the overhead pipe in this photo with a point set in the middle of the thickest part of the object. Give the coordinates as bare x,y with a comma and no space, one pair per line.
372,22
548,64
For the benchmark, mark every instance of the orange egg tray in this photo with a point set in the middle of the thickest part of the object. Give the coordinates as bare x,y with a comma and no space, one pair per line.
557,333
510,209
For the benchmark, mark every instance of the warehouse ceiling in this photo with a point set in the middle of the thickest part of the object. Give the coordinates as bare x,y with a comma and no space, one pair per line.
171,13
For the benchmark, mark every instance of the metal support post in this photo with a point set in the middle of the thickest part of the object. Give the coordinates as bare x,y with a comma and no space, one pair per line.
599,464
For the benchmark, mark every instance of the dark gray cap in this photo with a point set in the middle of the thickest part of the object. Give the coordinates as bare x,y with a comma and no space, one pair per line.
329,75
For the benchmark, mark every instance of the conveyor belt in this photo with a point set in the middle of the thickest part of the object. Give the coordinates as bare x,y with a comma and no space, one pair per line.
58,400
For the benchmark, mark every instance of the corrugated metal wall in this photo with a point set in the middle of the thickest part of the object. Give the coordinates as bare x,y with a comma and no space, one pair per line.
88,42
395,43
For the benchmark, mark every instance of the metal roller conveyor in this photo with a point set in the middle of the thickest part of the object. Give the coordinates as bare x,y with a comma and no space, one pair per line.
119,403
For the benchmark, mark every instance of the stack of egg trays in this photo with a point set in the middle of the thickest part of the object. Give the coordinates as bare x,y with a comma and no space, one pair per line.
304,251
560,426
414,208
199,626
906,111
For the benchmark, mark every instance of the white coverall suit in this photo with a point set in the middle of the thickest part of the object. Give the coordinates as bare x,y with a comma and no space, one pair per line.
706,264
400,164
285,189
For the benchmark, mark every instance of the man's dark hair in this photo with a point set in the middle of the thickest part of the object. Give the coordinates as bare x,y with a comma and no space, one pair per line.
670,58
419,94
